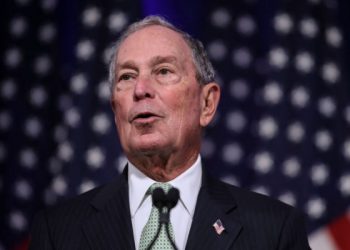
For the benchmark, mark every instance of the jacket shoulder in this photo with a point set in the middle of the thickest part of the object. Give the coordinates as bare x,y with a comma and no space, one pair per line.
256,210
61,223
250,200
270,222
75,206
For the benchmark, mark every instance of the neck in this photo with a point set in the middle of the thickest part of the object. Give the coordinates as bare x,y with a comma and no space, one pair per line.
163,168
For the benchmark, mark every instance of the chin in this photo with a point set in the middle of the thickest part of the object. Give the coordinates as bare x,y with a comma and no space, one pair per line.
148,148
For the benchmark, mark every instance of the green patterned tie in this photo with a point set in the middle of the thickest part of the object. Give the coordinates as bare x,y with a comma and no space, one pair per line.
151,227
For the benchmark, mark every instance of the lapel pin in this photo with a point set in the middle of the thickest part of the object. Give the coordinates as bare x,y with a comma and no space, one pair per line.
218,226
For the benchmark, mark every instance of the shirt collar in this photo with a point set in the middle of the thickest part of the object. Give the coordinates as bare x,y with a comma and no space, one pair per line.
188,183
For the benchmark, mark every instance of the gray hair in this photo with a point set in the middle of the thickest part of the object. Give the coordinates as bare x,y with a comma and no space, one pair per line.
204,69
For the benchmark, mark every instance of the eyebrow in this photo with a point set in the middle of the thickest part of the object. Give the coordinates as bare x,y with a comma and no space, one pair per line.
163,59
126,65
154,61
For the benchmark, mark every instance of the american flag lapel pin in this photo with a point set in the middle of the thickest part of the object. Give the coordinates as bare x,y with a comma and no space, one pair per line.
218,226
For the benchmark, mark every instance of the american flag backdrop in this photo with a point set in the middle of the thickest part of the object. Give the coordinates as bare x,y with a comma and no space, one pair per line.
282,128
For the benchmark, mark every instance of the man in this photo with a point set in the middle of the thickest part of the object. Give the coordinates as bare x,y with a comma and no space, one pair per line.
163,96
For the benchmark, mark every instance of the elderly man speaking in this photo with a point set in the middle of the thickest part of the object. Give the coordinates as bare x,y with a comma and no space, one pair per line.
163,96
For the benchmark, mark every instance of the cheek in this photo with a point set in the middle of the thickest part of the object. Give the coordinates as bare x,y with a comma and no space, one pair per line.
120,114
122,126
192,101
187,106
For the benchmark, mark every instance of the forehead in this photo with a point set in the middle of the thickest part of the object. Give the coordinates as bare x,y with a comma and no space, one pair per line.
153,41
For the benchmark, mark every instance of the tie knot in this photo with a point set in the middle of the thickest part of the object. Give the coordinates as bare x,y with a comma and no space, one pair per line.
164,186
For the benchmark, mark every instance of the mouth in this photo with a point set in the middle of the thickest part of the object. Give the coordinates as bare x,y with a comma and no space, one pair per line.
145,117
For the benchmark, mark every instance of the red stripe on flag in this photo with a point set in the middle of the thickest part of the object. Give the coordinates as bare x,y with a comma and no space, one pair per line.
339,230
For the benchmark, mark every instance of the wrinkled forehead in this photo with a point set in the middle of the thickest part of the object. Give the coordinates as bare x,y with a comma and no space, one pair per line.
154,40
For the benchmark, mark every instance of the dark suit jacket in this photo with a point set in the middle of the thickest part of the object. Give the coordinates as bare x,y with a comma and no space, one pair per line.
100,219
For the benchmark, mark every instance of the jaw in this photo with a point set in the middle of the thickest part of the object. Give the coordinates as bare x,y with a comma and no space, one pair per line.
159,152
163,166
148,144
161,160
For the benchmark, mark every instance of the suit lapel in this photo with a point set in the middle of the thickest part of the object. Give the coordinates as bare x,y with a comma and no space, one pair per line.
110,226
214,202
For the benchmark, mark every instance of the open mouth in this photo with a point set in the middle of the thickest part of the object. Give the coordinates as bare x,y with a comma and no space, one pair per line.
146,116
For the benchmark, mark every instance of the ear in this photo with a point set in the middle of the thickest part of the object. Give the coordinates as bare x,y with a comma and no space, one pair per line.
209,102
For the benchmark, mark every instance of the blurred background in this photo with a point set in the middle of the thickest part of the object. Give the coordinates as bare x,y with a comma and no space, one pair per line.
282,129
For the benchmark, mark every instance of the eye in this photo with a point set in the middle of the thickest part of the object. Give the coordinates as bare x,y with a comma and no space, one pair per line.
164,71
125,77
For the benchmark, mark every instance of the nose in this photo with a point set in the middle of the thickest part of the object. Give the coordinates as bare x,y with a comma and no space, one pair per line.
143,88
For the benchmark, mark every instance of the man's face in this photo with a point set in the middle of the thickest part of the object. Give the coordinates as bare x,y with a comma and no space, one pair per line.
156,98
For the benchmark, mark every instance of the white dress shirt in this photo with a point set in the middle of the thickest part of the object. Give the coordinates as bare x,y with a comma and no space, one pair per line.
181,215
